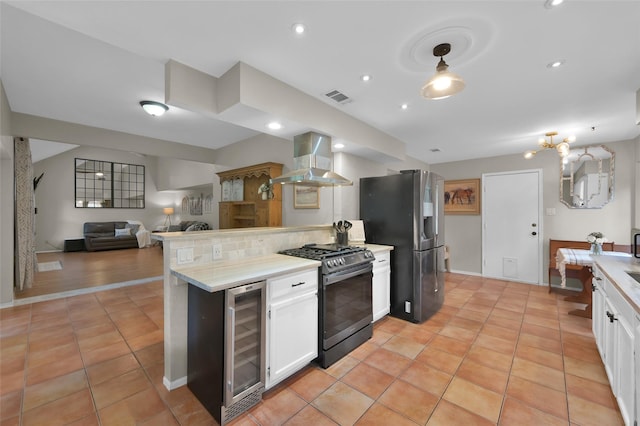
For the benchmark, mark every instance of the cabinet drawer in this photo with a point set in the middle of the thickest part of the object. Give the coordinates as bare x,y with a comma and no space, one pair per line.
382,259
293,283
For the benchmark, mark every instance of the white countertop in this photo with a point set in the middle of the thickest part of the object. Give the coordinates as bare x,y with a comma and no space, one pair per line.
216,276
221,275
375,248
615,269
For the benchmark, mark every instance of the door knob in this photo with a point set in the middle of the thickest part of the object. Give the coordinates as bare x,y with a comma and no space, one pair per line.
534,233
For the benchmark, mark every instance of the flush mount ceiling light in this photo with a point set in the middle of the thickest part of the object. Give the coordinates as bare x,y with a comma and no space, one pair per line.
154,108
556,64
274,125
552,3
298,28
444,83
562,147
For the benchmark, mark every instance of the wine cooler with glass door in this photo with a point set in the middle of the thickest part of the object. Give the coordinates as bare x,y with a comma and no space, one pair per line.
226,348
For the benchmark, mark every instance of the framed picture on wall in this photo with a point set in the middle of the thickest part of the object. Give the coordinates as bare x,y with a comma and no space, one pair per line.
306,197
462,196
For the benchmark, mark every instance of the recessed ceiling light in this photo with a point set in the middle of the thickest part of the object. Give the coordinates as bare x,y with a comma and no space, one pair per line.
299,29
404,106
556,64
274,125
552,3
365,77
338,145
154,108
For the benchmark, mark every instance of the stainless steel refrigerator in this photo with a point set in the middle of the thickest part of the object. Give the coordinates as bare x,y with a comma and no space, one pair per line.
406,211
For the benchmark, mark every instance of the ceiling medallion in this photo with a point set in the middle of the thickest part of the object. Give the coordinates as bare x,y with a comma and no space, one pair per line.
469,37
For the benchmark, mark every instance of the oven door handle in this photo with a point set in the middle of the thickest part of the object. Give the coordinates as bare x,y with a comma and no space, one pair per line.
341,276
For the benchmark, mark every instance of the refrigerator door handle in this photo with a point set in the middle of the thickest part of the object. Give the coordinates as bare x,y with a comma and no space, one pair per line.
437,208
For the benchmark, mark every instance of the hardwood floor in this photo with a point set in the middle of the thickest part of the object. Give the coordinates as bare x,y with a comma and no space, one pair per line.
92,269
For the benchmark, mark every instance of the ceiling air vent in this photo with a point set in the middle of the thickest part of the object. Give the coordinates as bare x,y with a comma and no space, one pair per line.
338,96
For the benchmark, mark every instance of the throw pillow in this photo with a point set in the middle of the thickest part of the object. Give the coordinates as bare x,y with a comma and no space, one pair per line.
123,232
134,228
198,226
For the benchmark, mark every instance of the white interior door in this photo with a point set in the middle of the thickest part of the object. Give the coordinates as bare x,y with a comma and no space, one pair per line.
512,228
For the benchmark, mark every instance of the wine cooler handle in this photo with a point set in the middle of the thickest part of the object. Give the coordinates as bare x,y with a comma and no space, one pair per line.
232,351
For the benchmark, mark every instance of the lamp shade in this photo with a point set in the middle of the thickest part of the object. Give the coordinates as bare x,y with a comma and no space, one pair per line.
168,210
443,84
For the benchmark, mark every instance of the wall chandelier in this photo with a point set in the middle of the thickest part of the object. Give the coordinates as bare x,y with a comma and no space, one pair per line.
444,83
562,147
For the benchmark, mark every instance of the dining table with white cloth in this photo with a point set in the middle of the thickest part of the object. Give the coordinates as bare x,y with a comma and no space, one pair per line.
570,256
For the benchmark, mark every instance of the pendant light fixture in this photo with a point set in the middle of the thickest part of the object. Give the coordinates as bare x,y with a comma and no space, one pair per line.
444,83
154,108
562,147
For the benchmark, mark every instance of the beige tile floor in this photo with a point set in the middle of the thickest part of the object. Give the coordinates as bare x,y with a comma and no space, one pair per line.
497,353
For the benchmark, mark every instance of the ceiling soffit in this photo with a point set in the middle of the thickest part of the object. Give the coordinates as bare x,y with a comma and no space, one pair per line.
250,98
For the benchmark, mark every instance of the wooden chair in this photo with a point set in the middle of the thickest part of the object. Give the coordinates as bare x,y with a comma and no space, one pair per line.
446,259
583,273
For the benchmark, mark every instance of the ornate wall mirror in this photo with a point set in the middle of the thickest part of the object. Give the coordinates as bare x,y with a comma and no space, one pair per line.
103,184
587,177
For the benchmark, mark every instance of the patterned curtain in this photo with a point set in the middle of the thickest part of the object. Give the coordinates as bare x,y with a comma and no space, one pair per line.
25,257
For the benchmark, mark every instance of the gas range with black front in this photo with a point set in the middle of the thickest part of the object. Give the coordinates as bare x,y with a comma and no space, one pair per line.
345,305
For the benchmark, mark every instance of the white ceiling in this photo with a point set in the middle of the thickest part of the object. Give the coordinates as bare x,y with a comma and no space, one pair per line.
92,62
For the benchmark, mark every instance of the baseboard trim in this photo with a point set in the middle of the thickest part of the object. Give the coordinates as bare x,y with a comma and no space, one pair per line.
175,384
71,293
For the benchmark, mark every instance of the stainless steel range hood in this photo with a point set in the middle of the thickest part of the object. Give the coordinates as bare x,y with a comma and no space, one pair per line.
312,162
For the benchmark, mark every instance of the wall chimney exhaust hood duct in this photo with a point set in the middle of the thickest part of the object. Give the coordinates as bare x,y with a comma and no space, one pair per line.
312,163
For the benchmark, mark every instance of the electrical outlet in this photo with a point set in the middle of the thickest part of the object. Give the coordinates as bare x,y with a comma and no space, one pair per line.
217,251
185,255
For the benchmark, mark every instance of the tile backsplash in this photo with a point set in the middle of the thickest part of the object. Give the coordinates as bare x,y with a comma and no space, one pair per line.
245,244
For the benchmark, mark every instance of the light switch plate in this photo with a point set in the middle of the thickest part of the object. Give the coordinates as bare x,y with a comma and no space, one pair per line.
217,251
184,255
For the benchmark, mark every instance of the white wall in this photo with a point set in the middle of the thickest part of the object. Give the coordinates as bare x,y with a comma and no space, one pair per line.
463,233
58,218
173,174
335,202
6,201
6,219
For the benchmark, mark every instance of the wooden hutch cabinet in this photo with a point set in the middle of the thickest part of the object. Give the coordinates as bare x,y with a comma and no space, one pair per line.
252,210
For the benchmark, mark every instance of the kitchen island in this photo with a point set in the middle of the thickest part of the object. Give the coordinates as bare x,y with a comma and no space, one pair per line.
245,255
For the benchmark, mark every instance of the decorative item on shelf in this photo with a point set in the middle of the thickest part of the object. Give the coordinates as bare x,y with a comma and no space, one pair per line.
596,239
167,211
562,147
444,83
266,189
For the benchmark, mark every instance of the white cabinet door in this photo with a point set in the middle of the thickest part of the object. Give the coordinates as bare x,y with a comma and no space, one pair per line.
598,313
637,368
624,360
293,335
609,341
381,292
